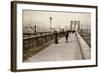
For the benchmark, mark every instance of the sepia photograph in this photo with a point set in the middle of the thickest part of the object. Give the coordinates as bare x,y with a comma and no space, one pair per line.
47,36
56,36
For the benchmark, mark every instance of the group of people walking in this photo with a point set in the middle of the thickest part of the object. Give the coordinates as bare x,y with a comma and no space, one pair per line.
66,34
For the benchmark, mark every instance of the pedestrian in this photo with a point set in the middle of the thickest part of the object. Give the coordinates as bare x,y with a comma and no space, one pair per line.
66,35
56,37
63,32
73,31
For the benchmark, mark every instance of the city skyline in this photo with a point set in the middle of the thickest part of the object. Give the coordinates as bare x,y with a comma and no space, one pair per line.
59,19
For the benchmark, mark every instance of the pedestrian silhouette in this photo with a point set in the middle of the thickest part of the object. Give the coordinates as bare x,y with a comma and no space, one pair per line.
73,31
66,35
56,37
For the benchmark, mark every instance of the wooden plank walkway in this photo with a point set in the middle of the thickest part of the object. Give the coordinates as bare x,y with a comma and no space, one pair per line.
59,52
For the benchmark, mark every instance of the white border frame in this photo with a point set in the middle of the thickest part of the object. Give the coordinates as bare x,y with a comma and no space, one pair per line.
21,65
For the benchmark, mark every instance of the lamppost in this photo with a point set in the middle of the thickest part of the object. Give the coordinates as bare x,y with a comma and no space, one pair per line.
35,28
50,22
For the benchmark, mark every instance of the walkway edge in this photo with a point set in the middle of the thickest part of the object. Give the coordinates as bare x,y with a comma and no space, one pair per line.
84,48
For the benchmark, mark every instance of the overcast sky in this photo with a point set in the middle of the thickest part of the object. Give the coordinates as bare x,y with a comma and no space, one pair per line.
59,19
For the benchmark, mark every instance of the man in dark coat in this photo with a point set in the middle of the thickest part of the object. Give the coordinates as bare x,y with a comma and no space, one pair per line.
56,37
66,35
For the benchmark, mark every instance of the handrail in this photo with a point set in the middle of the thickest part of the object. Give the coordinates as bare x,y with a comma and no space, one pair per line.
37,36
36,43
84,48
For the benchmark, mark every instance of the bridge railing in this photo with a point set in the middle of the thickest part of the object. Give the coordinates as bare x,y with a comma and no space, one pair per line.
33,44
84,48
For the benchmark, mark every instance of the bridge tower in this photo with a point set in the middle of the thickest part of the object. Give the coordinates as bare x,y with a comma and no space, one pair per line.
75,25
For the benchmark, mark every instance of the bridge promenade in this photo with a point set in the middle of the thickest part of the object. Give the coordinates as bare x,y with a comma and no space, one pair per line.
72,50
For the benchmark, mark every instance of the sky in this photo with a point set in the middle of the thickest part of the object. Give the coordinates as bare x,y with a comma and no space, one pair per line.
59,19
